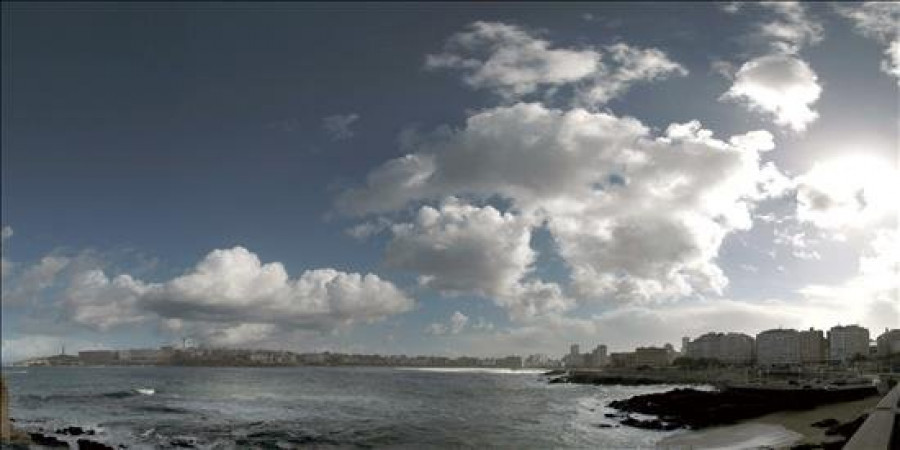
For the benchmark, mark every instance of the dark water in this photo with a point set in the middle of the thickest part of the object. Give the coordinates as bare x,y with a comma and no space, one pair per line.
322,407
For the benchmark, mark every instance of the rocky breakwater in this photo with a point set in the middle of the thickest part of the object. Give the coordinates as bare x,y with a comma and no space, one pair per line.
694,409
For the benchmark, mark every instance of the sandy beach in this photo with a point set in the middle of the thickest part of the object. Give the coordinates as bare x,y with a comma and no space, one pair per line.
778,430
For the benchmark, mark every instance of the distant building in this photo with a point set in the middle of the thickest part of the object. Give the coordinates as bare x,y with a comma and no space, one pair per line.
598,357
140,356
813,346
98,357
778,347
729,348
574,358
624,359
653,356
845,342
888,343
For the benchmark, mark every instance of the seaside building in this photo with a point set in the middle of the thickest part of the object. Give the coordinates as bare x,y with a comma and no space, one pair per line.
653,356
730,348
888,343
846,342
98,357
778,347
599,357
574,358
813,347
623,359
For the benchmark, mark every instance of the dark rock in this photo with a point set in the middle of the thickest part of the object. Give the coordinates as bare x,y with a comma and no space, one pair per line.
807,447
47,441
559,380
825,423
182,443
554,372
611,415
700,409
74,431
86,444
604,425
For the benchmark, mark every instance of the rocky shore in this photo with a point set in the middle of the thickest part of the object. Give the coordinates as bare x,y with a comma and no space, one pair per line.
695,409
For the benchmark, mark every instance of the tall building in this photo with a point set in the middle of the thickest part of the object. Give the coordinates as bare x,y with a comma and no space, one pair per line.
778,347
813,347
653,356
685,342
599,357
888,343
730,348
845,342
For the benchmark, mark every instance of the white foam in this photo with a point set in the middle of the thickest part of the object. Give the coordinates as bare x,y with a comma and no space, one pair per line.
735,437
145,391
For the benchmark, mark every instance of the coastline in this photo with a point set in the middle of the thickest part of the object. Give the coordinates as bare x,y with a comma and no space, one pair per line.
781,430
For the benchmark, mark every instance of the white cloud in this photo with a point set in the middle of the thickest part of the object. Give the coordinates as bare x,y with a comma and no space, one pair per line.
509,60
878,21
792,29
853,192
514,63
634,216
630,65
338,126
781,85
456,324
461,248
228,296
233,286
94,300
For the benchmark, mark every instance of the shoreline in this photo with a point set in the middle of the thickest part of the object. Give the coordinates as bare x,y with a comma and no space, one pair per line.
782,429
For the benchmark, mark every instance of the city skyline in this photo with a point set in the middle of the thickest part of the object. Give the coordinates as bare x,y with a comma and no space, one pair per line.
450,179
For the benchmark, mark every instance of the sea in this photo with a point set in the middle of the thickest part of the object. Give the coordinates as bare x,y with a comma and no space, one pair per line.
322,407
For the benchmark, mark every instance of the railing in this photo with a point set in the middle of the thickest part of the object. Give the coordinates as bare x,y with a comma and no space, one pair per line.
879,431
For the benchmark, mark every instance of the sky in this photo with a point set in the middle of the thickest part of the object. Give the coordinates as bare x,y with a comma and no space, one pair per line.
455,179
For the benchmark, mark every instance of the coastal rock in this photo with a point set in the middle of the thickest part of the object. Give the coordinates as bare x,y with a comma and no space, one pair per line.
86,444
75,431
699,409
47,441
559,380
825,423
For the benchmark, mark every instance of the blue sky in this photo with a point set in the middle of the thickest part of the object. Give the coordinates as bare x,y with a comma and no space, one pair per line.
453,178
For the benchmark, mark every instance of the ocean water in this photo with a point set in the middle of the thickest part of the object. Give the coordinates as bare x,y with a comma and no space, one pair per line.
155,407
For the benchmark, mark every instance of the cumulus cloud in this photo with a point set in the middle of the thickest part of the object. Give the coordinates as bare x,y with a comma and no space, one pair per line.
514,63
630,65
228,295
509,60
633,216
460,248
791,29
339,126
780,85
878,21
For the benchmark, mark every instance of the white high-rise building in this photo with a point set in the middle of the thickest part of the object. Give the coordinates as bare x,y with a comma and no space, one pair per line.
845,342
888,342
731,348
778,347
813,347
